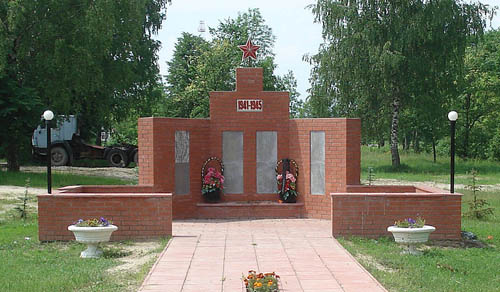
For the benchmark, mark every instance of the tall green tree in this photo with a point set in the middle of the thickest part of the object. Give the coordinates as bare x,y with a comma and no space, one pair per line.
479,103
96,59
185,59
209,66
288,82
381,56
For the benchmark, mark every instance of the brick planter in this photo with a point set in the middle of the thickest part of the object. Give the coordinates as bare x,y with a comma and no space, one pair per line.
137,213
368,210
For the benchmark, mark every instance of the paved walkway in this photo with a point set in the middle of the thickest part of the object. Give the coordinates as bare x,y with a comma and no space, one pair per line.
213,255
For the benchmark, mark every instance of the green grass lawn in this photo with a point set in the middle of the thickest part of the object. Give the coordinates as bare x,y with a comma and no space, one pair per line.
58,179
420,167
442,267
28,265
85,162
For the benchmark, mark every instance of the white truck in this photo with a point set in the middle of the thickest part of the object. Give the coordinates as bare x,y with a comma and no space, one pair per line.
67,146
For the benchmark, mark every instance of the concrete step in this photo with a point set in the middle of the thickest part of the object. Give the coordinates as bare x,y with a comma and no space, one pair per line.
249,209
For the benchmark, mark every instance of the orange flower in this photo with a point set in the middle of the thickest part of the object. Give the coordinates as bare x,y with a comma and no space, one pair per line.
270,283
490,237
260,276
250,277
257,284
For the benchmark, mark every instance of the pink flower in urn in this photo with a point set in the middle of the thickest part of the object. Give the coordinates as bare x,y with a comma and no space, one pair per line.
212,180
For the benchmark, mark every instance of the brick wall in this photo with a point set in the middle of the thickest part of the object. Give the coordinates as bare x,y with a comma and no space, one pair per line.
342,159
369,213
145,141
137,215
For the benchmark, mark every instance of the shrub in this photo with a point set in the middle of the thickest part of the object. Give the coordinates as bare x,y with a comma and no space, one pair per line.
477,207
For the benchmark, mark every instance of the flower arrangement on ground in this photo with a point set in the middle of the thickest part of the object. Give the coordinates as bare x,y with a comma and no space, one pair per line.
288,192
410,223
267,282
92,232
212,181
94,222
411,232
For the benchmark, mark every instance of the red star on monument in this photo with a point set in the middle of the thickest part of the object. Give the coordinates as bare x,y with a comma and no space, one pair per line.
249,50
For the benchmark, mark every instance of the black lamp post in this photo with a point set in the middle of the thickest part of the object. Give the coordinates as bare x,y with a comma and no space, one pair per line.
452,116
48,115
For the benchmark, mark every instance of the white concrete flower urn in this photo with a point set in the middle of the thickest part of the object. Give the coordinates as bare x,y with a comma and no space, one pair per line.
411,236
92,236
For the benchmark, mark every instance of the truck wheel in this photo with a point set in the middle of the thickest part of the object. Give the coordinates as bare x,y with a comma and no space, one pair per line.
59,156
117,158
136,158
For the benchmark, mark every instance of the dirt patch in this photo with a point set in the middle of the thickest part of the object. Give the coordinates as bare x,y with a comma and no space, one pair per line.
116,172
370,261
9,192
137,254
10,195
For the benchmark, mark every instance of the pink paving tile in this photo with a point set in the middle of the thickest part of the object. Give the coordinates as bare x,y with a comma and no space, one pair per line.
329,290
162,288
202,288
319,284
213,255
322,275
232,286
363,287
290,283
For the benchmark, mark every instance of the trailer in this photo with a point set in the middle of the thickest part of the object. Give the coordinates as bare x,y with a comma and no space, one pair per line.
67,146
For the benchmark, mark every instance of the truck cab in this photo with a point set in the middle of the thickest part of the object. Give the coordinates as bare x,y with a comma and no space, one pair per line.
66,145
66,127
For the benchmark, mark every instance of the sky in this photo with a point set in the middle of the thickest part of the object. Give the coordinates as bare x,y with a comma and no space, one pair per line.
292,24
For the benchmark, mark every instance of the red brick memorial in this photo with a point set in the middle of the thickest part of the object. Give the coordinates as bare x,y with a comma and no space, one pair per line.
249,131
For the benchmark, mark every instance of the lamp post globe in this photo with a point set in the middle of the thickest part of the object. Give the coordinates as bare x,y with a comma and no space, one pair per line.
452,116
48,115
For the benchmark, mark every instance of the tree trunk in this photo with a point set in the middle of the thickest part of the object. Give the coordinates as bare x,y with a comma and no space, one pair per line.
434,148
394,131
416,142
381,142
12,156
12,144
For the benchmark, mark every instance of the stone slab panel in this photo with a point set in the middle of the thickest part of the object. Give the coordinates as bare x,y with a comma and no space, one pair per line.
232,156
182,162
181,146
182,178
267,153
317,162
